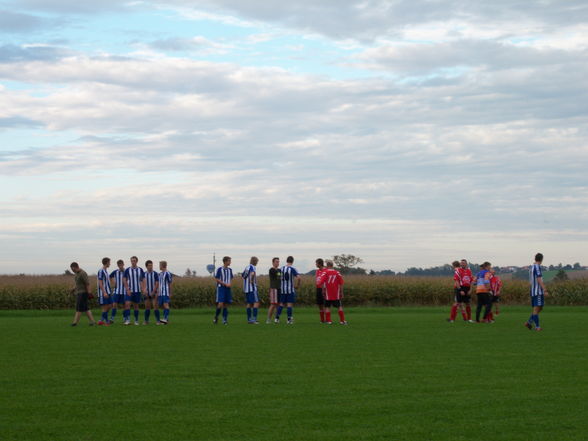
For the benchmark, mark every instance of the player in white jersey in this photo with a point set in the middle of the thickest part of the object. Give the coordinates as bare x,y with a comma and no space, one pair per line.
290,283
104,291
224,297
538,292
250,290
135,283
151,289
118,297
165,291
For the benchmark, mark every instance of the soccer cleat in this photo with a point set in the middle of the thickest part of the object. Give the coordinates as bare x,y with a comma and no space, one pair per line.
276,320
158,323
92,323
450,321
225,323
136,323
538,329
127,322
73,324
471,321
290,321
215,321
255,322
111,322
101,323
163,321
329,323
268,322
528,326
343,323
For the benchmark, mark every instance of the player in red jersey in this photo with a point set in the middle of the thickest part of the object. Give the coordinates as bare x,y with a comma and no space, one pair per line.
320,288
496,287
467,279
333,282
457,300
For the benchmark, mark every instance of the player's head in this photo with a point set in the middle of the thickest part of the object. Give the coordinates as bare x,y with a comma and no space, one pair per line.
149,265
253,260
106,262
464,263
226,260
276,262
162,265
134,260
120,263
289,259
455,264
486,265
538,257
330,264
319,263
74,267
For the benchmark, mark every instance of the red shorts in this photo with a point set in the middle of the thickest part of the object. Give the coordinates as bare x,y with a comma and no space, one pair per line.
273,296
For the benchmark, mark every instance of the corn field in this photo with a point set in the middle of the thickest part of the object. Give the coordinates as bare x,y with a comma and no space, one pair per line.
53,292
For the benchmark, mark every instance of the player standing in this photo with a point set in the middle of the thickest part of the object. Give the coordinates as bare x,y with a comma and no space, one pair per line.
538,292
483,291
223,277
275,280
104,292
320,288
333,282
82,292
165,292
496,286
250,290
134,281
290,283
467,278
151,289
120,291
457,294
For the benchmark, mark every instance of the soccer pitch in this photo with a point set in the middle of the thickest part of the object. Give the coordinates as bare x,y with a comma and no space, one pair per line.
392,374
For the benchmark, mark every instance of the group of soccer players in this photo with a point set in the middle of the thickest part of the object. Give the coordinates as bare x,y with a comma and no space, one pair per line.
284,282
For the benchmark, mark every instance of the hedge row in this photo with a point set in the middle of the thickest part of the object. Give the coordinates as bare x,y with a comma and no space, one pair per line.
53,292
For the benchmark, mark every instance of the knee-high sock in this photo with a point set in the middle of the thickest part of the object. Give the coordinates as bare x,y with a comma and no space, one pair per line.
217,313
341,315
453,312
322,314
127,314
166,313
147,314
280,308
157,316
469,311
536,320
136,311
225,314
289,311
248,314
113,313
255,310
328,316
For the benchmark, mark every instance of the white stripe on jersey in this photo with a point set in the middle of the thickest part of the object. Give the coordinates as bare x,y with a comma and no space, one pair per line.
289,273
120,287
150,279
103,275
250,283
134,277
165,279
534,274
224,274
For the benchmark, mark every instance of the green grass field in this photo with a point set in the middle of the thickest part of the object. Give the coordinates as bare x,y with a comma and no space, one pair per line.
392,374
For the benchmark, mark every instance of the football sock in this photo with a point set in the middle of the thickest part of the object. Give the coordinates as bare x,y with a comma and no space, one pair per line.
105,316
166,313
289,311
341,316
469,312
322,314
113,313
127,314
490,316
248,314
279,313
157,316
136,312
453,312
536,320
530,321
328,316
147,314
225,314
255,314
464,314
216,314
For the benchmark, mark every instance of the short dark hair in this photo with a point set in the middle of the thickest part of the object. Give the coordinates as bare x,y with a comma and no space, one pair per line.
119,261
226,259
455,264
148,262
74,265
105,260
485,265
289,259
320,261
330,263
463,260
275,258
538,257
134,257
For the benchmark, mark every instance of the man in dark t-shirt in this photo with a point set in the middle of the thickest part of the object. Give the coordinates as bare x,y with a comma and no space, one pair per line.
275,277
82,293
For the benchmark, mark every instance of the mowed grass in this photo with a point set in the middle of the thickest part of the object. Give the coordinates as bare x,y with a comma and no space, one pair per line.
392,374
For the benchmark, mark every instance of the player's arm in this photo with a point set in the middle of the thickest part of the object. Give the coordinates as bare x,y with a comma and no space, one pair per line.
126,283
101,284
87,283
170,286
156,288
252,276
297,281
542,285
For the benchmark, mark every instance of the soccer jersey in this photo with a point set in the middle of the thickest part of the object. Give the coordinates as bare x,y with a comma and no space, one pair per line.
250,279
483,283
333,281
534,275
119,287
134,276
275,276
457,278
151,277
495,285
289,273
165,280
465,276
103,275
319,273
224,274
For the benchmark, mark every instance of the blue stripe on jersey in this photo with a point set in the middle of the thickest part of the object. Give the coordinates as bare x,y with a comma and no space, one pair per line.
289,273
250,283
534,274
150,279
134,276
165,279
103,275
119,287
224,274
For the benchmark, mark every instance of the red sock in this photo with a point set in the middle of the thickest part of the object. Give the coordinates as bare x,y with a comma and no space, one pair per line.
322,313
464,314
453,312
469,312
490,316
341,315
328,314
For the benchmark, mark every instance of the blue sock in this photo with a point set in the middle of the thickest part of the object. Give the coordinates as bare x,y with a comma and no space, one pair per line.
127,314
104,316
225,314
157,316
165,313
147,314
218,311
279,311
113,313
136,315
530,321
248,314
289,310
255,314
536,320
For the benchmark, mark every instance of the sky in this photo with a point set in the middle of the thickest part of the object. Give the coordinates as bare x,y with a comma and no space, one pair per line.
408,133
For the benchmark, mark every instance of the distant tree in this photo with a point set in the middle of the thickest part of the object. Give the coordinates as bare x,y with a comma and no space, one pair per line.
193,273
345,263
561,276
577,266
386,273
67,273
372,272
567,267
189,273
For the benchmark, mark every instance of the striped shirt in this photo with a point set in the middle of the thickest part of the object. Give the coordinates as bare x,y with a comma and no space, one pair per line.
250,279
119,287
151,278
289,274
224,274
134,277
165,280
534,275
103,275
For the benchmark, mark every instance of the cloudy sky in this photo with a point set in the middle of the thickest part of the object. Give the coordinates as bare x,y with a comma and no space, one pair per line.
408,133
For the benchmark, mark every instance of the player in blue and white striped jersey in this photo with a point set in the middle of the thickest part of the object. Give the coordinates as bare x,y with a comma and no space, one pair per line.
250,290
151,288
538,292
290,283
224,278
104,291
165,290
120,290
135,282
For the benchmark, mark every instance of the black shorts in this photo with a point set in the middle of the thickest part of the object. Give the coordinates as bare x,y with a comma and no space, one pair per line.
334,303
320,298
462,298
82,302
495,299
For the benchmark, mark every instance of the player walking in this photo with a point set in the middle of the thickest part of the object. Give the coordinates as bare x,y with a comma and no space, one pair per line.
320,288
134,279
333,282
165,292
250,290
483,291
82,292
104,291
223,277
151,289
538,292
275,280
290,283
120,291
